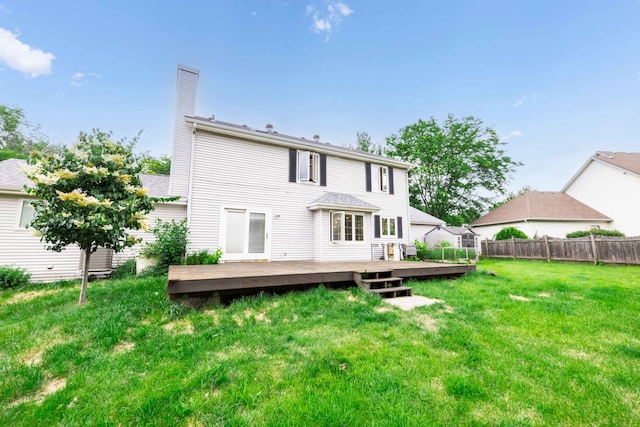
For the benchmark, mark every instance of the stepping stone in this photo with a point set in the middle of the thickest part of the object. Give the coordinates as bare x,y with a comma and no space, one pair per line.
408,303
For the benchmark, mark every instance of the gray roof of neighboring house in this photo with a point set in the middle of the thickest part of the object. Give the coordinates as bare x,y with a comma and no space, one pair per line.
416,216
11,175
541,205
457,231
13,178
341,201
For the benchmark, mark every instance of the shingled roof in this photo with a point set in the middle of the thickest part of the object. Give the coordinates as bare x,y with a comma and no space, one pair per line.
12,178
341,201
628,161
423,218
541,205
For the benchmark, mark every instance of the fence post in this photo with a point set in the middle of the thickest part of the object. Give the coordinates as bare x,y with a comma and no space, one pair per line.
546,245
594,249
513,247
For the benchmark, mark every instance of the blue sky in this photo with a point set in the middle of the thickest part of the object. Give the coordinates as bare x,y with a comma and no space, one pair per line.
558,79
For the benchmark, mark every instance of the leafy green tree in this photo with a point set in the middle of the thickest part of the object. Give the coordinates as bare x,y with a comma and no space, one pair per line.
508,232
458,165
17,137
156,165
511,196
89,195
364,143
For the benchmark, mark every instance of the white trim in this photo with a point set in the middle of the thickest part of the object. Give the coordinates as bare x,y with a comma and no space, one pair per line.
245,255
395,227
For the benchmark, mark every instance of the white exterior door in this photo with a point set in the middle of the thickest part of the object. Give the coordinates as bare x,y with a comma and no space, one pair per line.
245,234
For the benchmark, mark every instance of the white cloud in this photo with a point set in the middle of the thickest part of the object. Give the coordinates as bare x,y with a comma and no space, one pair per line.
321,25
22,57
514,133
79,79
326,21
525,98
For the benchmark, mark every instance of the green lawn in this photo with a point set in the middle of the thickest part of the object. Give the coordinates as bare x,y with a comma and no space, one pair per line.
537,344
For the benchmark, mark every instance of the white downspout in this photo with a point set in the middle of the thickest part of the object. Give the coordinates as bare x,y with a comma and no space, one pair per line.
191,160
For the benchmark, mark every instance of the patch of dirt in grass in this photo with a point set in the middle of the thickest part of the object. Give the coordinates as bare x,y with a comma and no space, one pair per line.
183,326
427,322
577,297
293,319
28,296
262,317
33,357
632,400
124,347
576,354
214,316
437,385
518,298
446,309
382,309
239,321
47,389
544,295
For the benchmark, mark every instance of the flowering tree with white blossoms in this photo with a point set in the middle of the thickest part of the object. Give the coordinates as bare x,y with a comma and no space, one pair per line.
90,196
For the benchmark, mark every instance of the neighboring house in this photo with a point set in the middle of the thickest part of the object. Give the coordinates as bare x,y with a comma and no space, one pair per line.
422,223
540,213
264,196
457,237
19,247
610,183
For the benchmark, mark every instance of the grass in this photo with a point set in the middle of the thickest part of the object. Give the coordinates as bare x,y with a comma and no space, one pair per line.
537,344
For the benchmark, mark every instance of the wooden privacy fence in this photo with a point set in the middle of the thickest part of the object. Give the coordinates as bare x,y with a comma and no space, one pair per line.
609,250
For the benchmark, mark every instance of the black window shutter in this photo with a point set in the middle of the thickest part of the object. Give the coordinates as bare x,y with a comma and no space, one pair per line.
391,181
376,226
293,164
367,173
323,170
399,225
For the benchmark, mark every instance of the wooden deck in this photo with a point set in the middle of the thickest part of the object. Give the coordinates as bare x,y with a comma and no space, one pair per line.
202,281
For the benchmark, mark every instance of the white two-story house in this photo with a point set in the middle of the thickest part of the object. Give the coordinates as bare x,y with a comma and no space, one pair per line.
262,195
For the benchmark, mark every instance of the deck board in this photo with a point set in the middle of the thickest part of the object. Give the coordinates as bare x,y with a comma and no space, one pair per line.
238,276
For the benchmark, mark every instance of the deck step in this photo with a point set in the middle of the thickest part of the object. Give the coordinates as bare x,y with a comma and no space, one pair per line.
398,291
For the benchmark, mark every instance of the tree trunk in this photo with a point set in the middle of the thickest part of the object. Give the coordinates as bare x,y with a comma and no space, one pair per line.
85,276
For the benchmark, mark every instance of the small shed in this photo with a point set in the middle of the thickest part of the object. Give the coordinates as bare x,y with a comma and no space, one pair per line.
458,237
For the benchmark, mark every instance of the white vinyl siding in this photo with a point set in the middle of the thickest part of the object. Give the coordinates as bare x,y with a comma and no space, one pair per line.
221,165
187,81
19,247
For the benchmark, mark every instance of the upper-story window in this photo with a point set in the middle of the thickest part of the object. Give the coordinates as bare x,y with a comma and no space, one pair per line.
308,166
379,179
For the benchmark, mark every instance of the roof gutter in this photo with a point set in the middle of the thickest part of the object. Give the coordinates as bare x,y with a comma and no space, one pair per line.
274,139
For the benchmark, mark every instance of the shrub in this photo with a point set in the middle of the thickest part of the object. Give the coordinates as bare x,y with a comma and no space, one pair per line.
11,277
421,249
595,232
124,270
509,232
204,257
170,245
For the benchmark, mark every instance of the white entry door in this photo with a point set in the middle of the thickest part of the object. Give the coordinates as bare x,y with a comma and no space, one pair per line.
245,234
